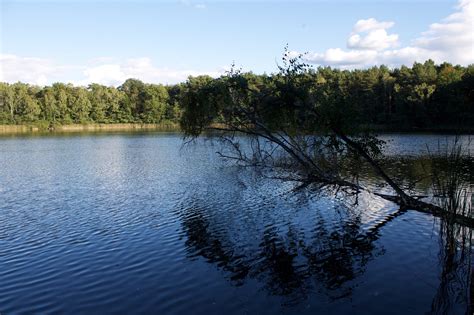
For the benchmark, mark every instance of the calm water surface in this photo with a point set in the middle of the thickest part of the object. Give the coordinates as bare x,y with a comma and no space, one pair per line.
135,223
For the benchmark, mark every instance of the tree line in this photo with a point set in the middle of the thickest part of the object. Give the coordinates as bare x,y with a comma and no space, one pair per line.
132,102
425,95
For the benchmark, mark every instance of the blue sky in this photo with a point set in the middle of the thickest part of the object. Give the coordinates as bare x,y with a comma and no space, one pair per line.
165,41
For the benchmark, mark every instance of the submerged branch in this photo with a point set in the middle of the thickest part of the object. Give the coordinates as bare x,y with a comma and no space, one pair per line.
429,208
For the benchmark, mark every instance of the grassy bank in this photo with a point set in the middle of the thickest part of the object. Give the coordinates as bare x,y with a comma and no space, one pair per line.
170,126
21,129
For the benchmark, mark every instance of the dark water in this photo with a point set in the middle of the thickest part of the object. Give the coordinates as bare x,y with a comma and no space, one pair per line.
135,223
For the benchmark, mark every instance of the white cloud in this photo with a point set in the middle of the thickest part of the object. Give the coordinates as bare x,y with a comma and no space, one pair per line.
451,40
138,68
370,25
374,40
105,71
108,74
28,69
339,57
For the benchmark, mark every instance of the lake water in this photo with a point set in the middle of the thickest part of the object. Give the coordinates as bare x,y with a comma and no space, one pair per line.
135,223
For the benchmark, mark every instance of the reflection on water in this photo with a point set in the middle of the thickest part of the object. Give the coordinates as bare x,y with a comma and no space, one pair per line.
292,262
456,280
137,224
295,263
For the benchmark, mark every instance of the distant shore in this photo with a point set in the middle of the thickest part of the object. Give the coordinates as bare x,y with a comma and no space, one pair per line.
24,129
174,127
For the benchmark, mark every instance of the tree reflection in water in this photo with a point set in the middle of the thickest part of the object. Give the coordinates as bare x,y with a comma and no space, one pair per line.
456,279
290,262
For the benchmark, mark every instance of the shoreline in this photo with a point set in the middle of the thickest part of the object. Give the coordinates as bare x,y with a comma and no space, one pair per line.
174,127
78,128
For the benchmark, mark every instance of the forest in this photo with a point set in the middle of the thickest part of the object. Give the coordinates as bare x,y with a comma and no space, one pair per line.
424,96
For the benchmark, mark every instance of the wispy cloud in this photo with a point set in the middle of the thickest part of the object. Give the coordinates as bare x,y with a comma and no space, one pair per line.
140,68
105,71
32,70
192,4
200,6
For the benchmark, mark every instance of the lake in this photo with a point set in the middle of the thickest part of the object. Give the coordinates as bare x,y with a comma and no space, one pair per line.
137,223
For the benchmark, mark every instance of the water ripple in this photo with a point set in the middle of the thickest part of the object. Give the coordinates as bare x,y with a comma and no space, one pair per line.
137,224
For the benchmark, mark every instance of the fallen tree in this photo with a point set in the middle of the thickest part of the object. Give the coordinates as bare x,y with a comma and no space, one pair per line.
302,128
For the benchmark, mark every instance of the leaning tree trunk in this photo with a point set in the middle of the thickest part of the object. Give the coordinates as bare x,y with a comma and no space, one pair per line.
403,199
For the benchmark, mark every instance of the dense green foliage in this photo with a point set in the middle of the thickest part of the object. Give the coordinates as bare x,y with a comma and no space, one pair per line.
132,102
423,96
426,96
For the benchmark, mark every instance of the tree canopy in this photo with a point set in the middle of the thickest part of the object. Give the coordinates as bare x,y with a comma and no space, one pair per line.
132,102
424,96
